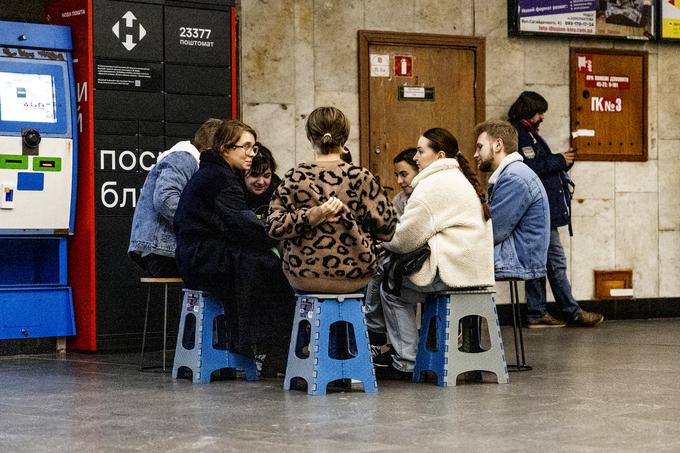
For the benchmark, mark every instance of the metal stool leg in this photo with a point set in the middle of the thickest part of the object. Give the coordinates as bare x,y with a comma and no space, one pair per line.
165,323
146,319
517,331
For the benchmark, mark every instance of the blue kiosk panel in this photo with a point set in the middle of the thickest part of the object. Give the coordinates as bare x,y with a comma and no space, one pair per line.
38,163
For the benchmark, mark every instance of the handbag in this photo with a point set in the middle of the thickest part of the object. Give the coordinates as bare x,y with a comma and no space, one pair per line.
403,265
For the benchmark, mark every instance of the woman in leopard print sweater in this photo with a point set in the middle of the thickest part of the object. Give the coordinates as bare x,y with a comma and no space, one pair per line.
329,213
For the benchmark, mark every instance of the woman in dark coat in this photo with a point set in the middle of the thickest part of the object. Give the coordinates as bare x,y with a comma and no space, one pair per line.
224,249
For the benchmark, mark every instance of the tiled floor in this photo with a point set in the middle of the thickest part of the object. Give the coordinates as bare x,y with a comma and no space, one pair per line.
612,388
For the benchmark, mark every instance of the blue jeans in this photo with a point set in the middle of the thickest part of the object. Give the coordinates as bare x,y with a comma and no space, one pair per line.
537,305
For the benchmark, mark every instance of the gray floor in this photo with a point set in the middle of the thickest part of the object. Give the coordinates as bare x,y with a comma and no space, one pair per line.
611,388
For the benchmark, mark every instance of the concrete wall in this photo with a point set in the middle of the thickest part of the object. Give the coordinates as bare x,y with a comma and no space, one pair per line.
297,55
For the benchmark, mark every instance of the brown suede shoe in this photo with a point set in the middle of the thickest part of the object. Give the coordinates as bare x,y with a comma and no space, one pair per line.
586,319
545,321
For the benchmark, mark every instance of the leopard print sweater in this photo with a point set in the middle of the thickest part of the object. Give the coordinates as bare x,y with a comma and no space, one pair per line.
333,256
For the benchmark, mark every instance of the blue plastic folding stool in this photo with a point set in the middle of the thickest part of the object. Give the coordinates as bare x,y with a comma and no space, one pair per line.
203,358
316,314
445,360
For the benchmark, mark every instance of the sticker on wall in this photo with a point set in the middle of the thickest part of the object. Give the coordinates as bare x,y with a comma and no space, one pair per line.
416,93
584,63
403,65
607,81
607,105
380,65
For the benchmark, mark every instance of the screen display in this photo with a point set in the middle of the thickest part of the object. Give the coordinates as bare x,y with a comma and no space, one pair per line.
27,98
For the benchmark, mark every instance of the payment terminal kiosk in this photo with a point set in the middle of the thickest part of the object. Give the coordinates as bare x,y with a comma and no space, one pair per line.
38,158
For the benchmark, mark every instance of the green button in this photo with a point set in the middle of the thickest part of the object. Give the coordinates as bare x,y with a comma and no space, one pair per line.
13,161
47,164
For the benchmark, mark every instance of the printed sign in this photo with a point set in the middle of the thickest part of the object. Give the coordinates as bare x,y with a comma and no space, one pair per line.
584,63
670,19
403,65
610,18
608,105
607,81
380,65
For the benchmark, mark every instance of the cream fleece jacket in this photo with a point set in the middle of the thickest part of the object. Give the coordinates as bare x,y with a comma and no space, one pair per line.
445,212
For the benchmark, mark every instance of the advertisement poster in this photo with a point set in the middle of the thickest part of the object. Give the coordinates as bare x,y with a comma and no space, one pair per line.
629,19
670,19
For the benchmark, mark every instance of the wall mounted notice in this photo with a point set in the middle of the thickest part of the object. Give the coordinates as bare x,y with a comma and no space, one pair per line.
380,65
630,19
670,19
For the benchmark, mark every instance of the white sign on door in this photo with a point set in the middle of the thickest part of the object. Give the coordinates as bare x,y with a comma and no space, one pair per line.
380,65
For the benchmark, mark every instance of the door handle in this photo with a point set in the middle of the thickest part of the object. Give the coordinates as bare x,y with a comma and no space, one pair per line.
377,150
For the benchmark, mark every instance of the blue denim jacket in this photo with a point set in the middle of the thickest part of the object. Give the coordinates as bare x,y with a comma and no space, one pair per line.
521,221
152,221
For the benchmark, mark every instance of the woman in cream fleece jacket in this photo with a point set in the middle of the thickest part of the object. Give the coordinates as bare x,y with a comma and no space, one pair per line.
447,211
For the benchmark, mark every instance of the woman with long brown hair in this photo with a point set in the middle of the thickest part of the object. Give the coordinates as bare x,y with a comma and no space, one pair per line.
448,212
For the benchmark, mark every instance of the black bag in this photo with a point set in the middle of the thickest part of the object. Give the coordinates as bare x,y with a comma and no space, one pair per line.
401,266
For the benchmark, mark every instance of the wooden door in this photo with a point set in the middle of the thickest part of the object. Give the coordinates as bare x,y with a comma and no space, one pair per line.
411,82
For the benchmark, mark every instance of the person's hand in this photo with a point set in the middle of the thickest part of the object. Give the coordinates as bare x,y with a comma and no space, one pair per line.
331,208
569,156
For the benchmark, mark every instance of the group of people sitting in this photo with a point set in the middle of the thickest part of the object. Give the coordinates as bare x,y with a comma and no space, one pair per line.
213,212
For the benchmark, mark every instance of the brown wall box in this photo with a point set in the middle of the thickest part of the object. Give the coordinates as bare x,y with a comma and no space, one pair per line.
605,281
608,94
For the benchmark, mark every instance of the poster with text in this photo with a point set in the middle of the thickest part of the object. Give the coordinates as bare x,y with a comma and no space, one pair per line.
670,19
627,19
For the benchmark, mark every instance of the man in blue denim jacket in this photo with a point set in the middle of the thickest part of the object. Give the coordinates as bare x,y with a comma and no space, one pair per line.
526,114
152,240
519,204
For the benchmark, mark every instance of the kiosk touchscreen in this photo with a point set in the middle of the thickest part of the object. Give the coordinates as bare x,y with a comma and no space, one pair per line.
38,156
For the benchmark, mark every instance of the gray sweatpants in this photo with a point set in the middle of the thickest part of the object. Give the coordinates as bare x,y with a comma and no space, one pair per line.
396,315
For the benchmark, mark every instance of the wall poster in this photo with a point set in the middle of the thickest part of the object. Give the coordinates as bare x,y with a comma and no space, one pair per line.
624,19
670,19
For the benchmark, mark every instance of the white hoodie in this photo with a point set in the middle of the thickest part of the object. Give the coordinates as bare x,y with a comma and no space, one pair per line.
444,211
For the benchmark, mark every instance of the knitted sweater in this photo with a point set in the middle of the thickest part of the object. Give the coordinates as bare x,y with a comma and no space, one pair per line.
445,212
330,257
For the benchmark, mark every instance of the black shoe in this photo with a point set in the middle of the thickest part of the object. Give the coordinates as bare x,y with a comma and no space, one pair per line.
390,373
377,338
384,359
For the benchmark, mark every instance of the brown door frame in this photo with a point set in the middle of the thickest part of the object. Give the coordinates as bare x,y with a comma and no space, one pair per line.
368,38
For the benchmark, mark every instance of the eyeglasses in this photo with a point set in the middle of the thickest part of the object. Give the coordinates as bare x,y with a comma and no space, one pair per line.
248,148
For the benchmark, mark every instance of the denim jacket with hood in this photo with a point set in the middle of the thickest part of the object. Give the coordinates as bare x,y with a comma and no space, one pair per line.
152,221
521,220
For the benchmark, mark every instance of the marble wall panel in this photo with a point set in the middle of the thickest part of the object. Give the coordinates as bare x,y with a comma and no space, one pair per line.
546,62
304,75
594,180
335,44
504,71
669,264
391,15
491,19
653,107
555,127
497,112
636,176
267,67
593,244
347,102
668,105
450,18
275,127
637,240
669,187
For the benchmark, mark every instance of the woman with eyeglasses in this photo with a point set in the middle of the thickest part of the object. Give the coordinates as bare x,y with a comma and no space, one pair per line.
224,249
